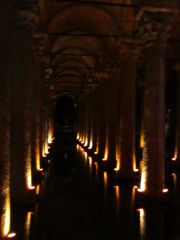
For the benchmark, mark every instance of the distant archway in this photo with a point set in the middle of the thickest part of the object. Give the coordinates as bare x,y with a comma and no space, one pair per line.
65,113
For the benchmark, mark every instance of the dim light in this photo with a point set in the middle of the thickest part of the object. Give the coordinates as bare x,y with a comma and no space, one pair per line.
28,224
142,140
86,142
46,149
50,136
105,158
105,175
142,182
135,169
77,137
11,235
165,190
174,178
117,192
117,168
7,216
38,189
142,222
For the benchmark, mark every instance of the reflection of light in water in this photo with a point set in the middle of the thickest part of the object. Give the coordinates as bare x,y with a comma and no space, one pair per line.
90,163
28,225
77,137
85,156
133,193
96,169
142,222
38,189
105,178
117,195
174,178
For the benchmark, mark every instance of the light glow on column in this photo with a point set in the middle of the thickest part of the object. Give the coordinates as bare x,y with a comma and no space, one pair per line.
29,176
118,159
38,165
143,169
117,195
77,137
46,149
86,142
135,169
97,148
174,178
6,217
105,158
50,136
105,177
174,158
90,144
142,140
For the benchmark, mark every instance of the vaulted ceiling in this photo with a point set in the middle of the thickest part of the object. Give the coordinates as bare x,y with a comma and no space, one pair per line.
81,38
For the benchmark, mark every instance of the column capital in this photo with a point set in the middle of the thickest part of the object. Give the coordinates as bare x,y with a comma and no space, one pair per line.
154,24
129,48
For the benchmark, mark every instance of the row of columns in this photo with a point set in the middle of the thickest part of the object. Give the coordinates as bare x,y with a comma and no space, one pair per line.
25,122
116,138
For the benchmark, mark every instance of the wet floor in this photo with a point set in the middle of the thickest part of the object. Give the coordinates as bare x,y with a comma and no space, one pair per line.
85,203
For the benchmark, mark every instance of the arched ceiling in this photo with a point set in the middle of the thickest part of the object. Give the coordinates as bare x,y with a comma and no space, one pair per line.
84,36
79,35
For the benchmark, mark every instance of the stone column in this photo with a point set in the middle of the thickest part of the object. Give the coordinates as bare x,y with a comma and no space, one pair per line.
128,109
176,156
153,34
102,121
5,80
22,72
112,118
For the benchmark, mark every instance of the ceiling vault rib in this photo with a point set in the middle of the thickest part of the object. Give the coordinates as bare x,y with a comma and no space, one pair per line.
108,4
84,35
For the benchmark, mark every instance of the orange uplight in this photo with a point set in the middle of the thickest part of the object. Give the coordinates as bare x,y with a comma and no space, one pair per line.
175,155
142,139
135,169
105,158
165,190
117,166
11,235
